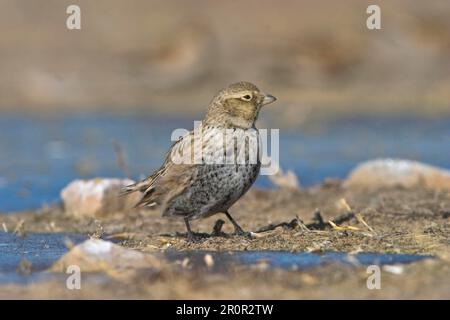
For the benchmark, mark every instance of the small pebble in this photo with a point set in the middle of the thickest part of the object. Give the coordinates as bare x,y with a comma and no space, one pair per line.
393,269
209,260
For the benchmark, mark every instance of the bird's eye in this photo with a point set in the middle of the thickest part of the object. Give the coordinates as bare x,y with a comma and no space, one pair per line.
247,97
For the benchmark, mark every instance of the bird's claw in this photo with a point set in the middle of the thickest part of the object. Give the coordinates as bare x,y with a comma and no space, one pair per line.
191,238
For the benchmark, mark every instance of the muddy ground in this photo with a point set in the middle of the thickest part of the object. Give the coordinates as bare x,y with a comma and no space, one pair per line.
393,220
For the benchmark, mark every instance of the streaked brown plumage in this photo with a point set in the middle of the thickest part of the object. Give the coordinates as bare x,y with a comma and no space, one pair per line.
193,190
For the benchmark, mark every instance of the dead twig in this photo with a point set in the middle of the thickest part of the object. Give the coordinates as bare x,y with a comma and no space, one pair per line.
319,224
342,203
20,228
288,225
361,220
343,228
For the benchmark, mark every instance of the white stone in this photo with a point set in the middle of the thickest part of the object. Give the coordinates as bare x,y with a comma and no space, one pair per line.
97,197
394,269
96,255
397,172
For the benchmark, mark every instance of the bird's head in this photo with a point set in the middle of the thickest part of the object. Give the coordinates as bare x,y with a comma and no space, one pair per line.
238,105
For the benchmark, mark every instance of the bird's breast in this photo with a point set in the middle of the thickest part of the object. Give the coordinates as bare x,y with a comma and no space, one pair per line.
230,146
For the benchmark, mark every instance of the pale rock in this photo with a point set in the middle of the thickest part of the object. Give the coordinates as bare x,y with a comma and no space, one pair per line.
282,179
394,269
96,255
380,173
286,179
97,197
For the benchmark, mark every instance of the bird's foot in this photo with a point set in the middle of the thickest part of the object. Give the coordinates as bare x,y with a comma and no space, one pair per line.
193,237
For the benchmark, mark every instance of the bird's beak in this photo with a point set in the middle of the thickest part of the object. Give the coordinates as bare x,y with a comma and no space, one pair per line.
268,98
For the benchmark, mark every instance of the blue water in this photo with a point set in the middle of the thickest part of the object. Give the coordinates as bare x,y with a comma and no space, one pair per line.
41,250
291,260
39,156
304,260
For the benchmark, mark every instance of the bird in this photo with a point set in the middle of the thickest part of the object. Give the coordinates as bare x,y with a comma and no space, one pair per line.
211,167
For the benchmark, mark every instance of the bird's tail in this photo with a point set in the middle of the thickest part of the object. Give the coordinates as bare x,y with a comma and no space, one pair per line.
138,186
143,187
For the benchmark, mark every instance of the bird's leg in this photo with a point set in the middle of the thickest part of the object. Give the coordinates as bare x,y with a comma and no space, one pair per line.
190,234
237,228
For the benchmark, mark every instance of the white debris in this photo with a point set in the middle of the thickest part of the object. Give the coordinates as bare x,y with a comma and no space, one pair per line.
394,269
97,247
209,260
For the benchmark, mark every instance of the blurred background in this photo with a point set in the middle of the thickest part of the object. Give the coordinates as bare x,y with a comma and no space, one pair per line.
317,56
138,69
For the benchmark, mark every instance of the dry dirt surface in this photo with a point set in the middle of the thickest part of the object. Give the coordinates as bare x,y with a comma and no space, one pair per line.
318,219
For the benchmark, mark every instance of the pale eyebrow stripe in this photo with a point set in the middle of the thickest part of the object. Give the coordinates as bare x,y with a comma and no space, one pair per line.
238,95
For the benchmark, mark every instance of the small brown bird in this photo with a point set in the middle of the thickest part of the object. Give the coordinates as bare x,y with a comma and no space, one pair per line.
211,167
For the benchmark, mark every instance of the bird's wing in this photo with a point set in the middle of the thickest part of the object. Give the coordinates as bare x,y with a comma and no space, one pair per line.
170,179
